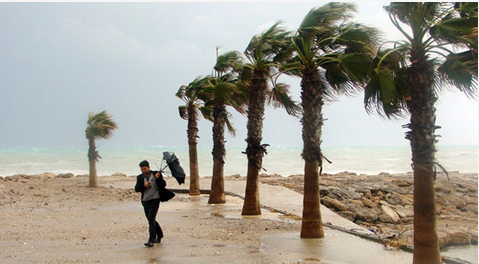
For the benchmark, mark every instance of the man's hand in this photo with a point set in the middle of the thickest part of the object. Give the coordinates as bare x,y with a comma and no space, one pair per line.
157,175
148,184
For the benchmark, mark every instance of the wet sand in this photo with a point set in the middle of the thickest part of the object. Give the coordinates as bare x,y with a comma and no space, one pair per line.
63,221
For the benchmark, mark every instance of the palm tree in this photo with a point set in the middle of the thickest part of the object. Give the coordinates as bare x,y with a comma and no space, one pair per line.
222,91
331,57
190,111
99,125
265,52
440,49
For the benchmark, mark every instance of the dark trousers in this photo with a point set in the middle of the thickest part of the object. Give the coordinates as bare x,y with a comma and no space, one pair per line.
151,209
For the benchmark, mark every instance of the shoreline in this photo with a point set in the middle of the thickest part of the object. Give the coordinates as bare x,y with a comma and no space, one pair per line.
381,203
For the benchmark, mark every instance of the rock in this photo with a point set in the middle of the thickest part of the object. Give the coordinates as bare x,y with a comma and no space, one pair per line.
340,194
455,201
364,214
403,183
118,174
472,208
441,201
368,203
472,188
404,211
367,194
333,203
388,215
19,176
65,175
453,237
441,188
45,175
348,215
394,199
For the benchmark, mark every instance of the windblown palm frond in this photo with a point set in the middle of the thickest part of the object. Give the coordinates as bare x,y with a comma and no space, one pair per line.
435,27
341,50
193,95
100,125
229,61
279,97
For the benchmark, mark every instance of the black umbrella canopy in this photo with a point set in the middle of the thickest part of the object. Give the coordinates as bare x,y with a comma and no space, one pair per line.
174,165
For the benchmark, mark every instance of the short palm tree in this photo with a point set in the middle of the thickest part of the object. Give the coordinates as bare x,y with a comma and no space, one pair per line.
440,50
222,91
331,57
191,111
265,52
99,125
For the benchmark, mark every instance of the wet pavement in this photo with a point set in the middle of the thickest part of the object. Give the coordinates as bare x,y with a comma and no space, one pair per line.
344,242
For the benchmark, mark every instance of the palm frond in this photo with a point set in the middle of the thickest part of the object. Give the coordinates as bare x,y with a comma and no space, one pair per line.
181,92
456,31
230,60
207,112
229,125
100,125
460,70
357,38
381,94
183,111
321,18
279,97
466,9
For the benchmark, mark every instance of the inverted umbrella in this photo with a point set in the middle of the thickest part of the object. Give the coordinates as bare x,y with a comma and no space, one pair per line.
174,165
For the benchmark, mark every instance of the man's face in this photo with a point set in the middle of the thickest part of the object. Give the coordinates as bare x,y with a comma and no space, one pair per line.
145,170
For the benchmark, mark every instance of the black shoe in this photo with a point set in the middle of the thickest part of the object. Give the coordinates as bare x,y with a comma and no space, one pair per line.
158,240
149,244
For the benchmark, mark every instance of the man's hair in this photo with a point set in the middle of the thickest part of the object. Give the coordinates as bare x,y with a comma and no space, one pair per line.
144,164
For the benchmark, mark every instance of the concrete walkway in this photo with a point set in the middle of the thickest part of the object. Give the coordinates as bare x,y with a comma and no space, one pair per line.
281,199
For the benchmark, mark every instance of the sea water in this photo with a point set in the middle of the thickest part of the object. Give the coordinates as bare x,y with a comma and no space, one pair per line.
280,160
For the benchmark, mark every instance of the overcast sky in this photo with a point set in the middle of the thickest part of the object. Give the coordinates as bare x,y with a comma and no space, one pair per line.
61,60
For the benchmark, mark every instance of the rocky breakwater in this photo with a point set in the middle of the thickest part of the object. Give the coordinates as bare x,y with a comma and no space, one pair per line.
384,204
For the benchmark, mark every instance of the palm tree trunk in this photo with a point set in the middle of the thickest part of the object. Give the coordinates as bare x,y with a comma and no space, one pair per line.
422,140
312,225
217,195
251,205
192,144
312,120
255,151
194,175
92,158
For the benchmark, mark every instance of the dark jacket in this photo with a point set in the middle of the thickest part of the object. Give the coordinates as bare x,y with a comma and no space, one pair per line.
140,183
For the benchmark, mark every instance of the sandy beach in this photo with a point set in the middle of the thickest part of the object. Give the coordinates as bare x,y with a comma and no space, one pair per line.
58,219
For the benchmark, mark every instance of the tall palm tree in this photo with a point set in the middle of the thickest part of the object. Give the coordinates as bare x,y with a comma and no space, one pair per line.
191,111
221,92
99,125
440,49
265,52
331,57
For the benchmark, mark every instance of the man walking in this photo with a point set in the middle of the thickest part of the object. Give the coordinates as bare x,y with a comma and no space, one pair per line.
149,184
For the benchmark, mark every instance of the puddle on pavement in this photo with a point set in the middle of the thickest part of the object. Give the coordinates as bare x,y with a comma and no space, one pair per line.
183,202
229,210
336,247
